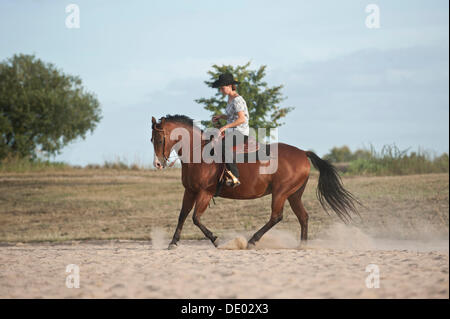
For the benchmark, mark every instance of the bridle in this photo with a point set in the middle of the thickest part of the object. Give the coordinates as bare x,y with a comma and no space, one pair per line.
164,142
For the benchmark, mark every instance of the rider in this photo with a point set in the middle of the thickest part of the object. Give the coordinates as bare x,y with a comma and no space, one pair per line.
237,119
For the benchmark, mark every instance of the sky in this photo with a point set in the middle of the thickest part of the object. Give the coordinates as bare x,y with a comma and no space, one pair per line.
349,84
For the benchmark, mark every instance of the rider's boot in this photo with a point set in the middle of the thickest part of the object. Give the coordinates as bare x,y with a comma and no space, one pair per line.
232,180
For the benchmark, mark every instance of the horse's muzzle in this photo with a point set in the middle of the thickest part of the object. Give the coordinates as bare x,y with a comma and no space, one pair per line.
159,164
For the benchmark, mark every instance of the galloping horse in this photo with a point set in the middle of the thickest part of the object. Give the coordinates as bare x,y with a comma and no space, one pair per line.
287,182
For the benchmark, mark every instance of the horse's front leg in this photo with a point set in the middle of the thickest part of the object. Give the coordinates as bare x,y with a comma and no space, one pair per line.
188,203
201,204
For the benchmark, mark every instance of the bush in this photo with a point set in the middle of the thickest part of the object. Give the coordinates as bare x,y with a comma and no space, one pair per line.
393,161
14,163
339,155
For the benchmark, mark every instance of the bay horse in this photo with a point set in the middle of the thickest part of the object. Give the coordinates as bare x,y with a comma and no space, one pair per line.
287,182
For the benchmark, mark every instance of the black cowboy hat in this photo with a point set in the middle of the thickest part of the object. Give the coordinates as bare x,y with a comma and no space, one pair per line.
224,79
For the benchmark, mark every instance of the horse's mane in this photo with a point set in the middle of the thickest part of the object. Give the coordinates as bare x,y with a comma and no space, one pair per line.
178,118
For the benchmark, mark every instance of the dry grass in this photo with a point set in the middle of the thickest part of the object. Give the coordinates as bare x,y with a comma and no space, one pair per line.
112,204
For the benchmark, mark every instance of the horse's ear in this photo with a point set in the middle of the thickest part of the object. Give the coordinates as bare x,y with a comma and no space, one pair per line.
153,120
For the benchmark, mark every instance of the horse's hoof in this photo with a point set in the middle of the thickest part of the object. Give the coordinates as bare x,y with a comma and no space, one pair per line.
216,242
172,246
251,245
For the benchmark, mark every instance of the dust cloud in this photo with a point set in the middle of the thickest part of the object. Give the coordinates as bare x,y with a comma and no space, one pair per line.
337,236
160,238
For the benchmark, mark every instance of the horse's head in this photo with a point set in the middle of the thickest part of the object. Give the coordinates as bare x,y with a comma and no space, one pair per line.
161,143
173,132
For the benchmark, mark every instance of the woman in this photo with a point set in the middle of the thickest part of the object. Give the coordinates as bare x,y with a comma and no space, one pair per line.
237,120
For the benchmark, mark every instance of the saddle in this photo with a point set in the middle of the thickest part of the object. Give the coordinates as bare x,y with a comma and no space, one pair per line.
250,149
252,145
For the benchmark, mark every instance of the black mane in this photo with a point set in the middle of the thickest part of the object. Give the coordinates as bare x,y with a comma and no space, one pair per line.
181,119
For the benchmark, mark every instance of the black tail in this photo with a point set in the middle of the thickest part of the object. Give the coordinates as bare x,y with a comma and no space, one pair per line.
330,190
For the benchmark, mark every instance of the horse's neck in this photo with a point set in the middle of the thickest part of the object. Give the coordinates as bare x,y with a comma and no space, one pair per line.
195,142
196,145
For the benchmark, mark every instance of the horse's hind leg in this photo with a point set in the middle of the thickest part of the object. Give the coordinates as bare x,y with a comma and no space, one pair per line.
188,203
201,204
275,218
295,200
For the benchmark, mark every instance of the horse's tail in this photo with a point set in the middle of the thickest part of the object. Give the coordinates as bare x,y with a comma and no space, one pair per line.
330,190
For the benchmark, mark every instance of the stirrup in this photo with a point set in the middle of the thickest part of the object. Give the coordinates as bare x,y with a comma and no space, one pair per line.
231,180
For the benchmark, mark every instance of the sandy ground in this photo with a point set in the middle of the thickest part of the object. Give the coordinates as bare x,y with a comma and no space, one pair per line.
278,268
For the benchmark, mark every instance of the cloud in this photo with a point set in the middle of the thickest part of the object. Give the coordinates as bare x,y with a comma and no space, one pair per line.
403,69
369,96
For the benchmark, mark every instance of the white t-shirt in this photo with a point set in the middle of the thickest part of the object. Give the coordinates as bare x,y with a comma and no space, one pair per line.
238,104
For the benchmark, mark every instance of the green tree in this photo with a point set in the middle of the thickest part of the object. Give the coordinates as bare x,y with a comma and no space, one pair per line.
41,108
263,102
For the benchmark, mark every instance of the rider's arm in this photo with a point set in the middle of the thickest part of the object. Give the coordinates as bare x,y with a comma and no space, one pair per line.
222,116
241,119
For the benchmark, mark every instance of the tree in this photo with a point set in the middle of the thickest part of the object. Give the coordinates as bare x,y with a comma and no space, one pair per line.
262,101
41,108
339,155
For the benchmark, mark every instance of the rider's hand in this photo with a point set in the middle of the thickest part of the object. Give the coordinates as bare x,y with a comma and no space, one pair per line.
217,138
215,118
